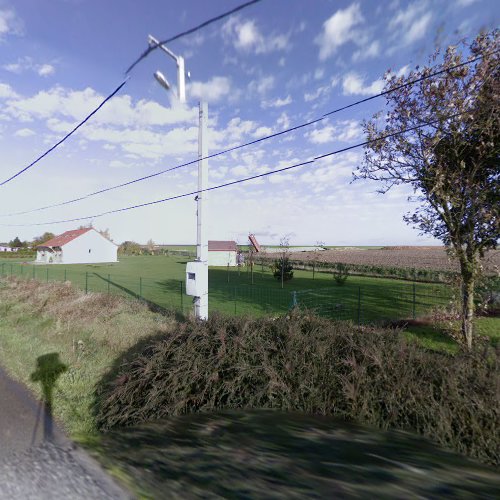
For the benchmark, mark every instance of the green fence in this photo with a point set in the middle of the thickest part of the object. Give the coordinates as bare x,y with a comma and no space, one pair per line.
360,304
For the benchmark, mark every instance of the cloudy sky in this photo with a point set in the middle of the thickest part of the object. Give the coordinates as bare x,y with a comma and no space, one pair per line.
274,65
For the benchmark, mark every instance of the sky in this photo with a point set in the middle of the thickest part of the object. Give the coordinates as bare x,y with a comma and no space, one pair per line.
276,64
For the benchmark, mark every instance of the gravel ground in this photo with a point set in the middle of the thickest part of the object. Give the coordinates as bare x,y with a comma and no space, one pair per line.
33,466
50,471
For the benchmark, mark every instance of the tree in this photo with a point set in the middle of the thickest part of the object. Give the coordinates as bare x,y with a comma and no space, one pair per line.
452,163
16,243
282,268
38,240
340,273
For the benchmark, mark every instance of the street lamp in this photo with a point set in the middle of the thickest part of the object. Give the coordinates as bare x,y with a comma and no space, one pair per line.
181,75
197,271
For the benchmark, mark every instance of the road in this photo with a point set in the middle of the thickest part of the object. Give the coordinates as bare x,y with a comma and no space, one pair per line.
37,460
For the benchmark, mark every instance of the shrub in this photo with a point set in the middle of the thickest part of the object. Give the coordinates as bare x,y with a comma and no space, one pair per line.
282,267
340,273
304,363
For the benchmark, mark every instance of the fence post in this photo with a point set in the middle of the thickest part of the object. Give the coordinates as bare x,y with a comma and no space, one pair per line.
22,271
234,298
140,287
86,282
65,275
3,268
294,299
359,305
11,270
47,274
109,281
34,271
182,298
414,296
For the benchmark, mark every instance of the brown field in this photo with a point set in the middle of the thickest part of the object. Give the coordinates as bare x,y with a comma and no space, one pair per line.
429,258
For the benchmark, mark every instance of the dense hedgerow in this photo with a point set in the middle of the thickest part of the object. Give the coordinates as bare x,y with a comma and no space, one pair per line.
303,363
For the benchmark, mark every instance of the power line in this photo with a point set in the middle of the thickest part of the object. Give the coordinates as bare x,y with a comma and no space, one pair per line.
189,32
232,183
250,143
33,163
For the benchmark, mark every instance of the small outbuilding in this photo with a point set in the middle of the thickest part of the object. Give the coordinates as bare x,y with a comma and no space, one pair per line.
222,253
6,248
79,246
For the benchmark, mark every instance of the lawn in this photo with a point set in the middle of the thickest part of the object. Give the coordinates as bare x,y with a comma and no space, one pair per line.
160,280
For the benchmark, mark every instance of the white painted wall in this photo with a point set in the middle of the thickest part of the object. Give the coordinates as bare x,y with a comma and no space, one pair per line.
89,248
222,258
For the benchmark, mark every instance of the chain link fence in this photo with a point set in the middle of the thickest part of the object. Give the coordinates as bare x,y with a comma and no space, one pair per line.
359,304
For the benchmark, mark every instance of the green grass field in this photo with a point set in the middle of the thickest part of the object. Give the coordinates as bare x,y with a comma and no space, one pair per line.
160,280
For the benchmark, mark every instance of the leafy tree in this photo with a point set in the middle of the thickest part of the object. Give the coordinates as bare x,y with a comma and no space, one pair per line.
130,248
39,240
282,268
16,243
452,164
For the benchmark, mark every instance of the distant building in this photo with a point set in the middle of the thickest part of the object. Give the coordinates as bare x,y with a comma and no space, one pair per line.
6,248
222,253
80,246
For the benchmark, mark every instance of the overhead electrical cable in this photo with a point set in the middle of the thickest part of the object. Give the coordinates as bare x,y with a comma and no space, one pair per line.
246,144
69,134
238,181
190,31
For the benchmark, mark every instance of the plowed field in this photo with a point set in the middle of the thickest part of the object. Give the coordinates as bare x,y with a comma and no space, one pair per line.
429,258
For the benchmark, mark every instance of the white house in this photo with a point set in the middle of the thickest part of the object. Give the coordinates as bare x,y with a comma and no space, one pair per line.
80,246
7,249
222,253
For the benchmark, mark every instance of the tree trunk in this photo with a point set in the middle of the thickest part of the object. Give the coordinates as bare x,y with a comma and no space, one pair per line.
467,311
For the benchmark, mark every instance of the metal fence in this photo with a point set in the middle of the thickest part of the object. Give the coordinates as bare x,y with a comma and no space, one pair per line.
360,304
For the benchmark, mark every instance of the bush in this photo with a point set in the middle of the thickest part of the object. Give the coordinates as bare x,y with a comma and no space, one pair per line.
282,266
303,363
340,273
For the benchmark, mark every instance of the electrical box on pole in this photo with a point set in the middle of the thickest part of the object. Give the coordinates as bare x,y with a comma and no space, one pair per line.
197,271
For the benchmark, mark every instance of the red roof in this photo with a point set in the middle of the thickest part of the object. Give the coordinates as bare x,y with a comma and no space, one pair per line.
222,246
62,239
254,242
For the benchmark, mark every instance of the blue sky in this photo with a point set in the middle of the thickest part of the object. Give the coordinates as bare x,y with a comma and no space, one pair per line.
273,65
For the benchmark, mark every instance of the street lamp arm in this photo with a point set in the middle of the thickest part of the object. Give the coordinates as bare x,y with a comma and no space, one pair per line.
153,42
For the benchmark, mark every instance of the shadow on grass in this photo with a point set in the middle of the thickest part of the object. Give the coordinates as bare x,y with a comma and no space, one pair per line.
152,305
48,369
267,454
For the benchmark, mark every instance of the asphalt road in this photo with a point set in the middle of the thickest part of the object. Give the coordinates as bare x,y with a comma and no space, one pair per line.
37,460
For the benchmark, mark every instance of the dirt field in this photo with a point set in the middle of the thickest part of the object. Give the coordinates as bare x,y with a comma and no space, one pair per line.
431,258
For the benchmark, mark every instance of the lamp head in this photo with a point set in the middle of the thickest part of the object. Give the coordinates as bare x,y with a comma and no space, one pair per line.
162,80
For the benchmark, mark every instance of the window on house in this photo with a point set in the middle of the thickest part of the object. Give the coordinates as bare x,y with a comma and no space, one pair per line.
90,250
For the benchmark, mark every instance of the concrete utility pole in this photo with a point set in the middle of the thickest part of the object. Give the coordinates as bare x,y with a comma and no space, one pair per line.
196,272
201,301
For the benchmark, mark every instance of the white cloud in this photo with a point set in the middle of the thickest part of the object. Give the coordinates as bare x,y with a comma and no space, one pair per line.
24,132
262,85
411,24
246,37
348,130
277,103
321,135
213,90
262,131
27,64
323,90
354,84
6,91
465,3
10,24
366,52
283,121
338,30
45,70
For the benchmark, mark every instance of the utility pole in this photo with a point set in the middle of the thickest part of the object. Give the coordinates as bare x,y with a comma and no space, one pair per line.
197,271
201,301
